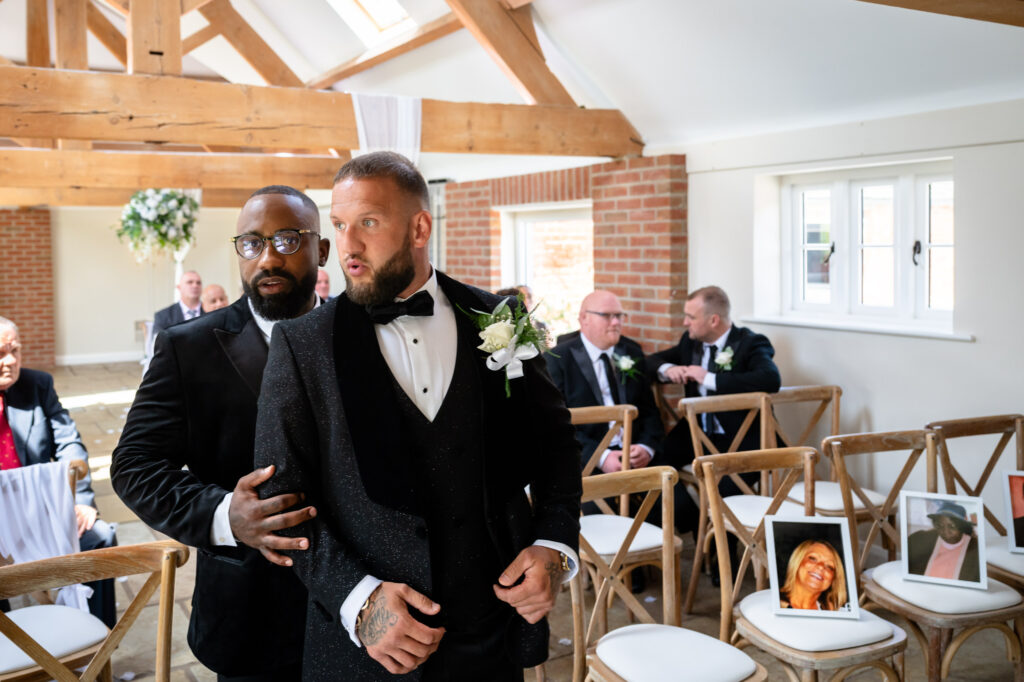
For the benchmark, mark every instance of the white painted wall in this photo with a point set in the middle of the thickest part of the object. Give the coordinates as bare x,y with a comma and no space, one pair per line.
889,382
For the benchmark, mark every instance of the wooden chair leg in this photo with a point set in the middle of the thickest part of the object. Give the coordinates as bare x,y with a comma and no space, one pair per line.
808,675
933,656
698,553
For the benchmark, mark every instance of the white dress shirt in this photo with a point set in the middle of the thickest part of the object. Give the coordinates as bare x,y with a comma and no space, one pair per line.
185,310
595,353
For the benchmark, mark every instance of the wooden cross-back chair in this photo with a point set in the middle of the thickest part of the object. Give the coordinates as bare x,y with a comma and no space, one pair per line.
804,646
665,404
1002,564
619,419
32,629
755,404
941,617
648,649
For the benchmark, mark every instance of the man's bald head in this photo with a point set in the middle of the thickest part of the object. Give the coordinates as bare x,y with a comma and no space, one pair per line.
214,297
601,318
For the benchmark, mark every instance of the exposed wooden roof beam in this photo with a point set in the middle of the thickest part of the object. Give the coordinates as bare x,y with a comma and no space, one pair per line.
515,4
515,51
105,106
997,11
107,33
78,196
249,44
130,170
71,53
187,6
427,33
200,37
154,37
37,33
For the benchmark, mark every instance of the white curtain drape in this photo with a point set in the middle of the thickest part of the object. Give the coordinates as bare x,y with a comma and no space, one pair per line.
389,123
37,520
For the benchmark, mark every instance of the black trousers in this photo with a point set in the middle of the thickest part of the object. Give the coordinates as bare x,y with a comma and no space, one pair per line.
473,654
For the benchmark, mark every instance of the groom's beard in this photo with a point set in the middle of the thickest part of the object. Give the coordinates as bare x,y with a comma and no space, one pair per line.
389,281
285,305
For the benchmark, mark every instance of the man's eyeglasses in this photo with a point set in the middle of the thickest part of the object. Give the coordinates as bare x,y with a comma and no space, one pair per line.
621,317
286,242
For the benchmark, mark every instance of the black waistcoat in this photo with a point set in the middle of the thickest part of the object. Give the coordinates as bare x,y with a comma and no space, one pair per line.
448,471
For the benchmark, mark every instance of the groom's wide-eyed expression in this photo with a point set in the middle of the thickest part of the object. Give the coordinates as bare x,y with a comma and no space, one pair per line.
380,233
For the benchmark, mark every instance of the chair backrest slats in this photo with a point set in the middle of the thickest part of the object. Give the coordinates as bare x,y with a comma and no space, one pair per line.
619,419
754,403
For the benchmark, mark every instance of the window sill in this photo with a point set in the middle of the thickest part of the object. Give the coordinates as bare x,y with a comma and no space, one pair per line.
856,326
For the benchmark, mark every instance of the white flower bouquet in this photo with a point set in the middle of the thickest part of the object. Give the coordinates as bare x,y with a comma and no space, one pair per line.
157,220
510,337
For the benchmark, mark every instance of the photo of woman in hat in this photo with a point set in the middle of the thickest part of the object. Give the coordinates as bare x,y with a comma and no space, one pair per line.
949,549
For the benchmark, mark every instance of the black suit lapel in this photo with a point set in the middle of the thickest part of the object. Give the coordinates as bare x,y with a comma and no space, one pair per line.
579,354
243,344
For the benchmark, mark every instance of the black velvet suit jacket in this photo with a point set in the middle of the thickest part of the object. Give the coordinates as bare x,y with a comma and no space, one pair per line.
574,375
329,420
752,370
43,430
196,407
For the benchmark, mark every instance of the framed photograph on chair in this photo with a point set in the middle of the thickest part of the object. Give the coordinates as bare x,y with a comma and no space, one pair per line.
1013,493
811,567
943,539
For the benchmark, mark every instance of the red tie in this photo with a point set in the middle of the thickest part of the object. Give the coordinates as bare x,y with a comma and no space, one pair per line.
8,455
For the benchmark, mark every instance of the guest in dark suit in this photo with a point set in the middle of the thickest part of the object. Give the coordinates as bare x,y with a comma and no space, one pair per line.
197,408
36,429
580,371
714,357
323,285
190,286
381,408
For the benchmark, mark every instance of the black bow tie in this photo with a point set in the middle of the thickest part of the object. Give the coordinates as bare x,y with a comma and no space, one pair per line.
420,304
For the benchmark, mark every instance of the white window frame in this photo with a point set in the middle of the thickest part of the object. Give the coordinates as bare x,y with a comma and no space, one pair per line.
909,312
515,268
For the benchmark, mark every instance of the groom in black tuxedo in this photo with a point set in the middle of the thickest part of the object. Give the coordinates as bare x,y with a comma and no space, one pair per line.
426,558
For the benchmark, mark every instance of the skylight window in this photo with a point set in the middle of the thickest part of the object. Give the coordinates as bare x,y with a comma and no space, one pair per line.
373,20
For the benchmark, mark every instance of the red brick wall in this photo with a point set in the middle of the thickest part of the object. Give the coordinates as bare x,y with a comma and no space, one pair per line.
640,247
26,281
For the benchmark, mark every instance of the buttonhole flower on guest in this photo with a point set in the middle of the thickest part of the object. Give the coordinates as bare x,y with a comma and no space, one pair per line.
626,366
724,359
510,337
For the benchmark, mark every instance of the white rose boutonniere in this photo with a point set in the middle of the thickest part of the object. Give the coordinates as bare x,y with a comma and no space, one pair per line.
510,338
626,366
724,359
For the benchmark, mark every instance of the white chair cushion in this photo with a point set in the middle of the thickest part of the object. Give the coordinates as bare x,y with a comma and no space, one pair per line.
997,554
943,598
605,533
750,509
828,496
814,634
61,630
662,653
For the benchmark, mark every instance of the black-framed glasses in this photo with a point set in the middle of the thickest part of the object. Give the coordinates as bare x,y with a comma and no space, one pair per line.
621,317
286,242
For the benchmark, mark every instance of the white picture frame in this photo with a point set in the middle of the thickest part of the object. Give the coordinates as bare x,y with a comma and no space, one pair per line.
1013,492
790,541
919,537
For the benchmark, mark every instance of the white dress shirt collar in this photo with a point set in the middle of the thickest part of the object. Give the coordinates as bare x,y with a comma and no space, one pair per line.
185,309
267,326
719,343
593,351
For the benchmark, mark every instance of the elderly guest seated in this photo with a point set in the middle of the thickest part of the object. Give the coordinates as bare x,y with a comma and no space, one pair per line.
815,578
35,429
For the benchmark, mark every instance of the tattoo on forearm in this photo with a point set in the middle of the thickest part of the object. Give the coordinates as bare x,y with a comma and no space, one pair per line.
376,621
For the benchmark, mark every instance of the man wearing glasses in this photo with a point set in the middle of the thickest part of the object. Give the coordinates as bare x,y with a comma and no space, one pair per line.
196,408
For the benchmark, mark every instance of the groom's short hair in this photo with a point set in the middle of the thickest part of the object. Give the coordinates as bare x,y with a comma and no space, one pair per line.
715,300
387,165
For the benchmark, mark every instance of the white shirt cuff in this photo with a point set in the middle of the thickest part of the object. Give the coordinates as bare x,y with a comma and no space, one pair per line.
220,529
354,602
574,560
710,381
648,448
604,456
662,369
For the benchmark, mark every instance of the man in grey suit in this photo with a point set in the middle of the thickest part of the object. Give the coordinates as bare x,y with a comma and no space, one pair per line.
426,558
190,286
36,429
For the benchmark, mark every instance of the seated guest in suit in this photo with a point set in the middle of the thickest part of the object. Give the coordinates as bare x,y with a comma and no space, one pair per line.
949,550
214,298
323,285
190,286
35,429
713,357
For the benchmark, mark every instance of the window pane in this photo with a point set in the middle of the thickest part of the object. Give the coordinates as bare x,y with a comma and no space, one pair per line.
940,212
561,267
877,215
877,277
817,216
940,278
816,279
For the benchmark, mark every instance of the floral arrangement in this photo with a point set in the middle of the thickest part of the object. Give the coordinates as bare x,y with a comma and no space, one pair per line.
510,337
626,366
157,220
724,359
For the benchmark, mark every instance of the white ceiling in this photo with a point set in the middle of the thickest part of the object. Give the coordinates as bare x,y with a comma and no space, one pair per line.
682,71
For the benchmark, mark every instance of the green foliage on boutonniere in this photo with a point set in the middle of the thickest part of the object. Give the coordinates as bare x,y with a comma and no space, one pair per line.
724,359
510,337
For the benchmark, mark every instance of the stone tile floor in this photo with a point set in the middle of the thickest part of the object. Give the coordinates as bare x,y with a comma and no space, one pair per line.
98,397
